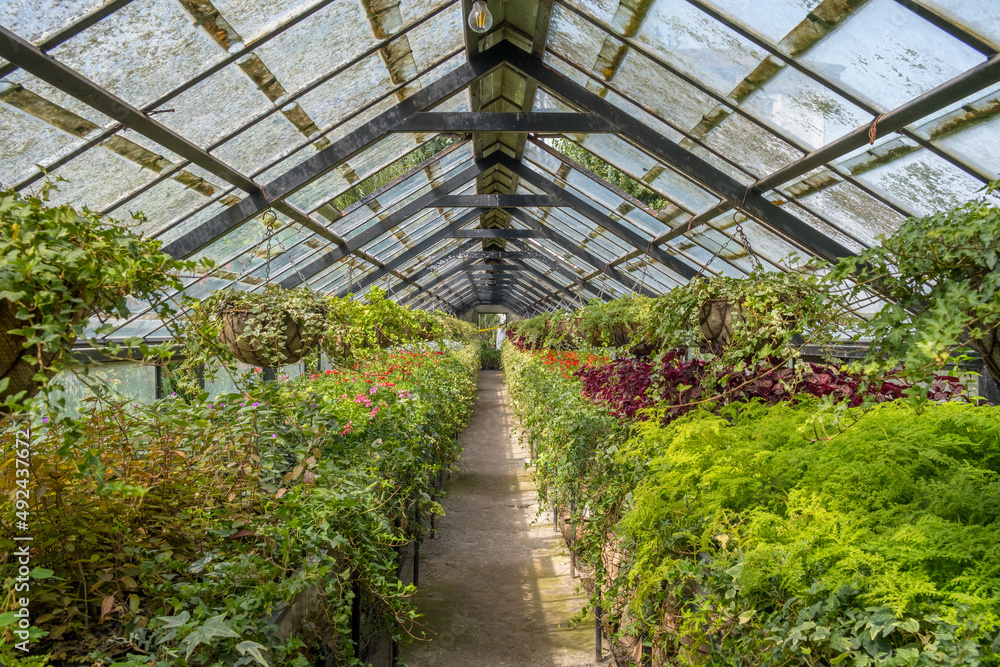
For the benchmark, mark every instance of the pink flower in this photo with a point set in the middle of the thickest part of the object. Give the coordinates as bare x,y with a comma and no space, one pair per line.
373,391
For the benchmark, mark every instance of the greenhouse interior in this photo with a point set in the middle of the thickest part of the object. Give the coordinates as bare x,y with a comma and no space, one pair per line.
501,333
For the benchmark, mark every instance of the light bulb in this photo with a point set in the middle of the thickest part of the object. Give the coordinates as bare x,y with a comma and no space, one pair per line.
480,19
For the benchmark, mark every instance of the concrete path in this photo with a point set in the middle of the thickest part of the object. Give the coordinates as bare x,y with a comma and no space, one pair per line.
494,585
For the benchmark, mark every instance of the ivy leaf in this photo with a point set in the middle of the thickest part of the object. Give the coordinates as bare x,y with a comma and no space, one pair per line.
214,628
254,650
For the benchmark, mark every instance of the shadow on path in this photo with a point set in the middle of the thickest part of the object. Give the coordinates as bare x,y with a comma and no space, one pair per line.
494,585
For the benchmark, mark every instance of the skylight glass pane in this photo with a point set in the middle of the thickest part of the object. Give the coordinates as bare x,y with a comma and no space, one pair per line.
358,85
980,16
804,109
854,211
888,55
99,177
334,35
699,45
22,16
774,22
923,181
268,140
162,204
142,51
673,99
215,107
441,34
574,38
980,145
27,141
751,147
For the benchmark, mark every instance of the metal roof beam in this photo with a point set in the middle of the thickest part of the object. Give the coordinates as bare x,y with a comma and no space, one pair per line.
500,201
684,161
598,217
306,172
496,234
495,121
566,244
411,253
394,219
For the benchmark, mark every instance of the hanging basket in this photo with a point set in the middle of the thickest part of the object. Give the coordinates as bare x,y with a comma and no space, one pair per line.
989,348
246,348
716,319
19,365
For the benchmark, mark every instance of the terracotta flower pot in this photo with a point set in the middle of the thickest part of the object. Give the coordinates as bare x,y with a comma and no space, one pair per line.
245,347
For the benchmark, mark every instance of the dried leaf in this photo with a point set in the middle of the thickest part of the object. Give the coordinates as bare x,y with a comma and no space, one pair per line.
280,493
106,606
309,477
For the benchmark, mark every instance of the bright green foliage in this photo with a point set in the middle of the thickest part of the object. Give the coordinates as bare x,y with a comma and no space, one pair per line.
392,171
58,266
940,274
774,547
612,175
179,528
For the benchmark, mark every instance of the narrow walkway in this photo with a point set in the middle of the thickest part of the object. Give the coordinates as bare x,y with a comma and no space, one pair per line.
494,585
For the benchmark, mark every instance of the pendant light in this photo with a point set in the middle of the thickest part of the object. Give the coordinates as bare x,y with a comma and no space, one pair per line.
480,19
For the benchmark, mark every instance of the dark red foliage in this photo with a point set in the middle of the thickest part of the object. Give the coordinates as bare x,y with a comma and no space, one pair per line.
628,385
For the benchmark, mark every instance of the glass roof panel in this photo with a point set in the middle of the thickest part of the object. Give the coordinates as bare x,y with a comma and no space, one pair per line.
141,51
655,87
923,182
215,107
699,45
804,109
851,209
28,141
982,16
23,17
570,36
756,151
334,35
253,18
164,203
358,85
774,22
441,34
97,178
253,149
978,145
65,104
889,55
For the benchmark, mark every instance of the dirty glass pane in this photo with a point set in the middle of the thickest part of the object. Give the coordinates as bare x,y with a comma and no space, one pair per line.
924,182
142,51
128,380
358,85
980,16
215,107
888,55
774,21
272,138
755,150
26,141
98,178
699,45
162,204
655,87
979,145
854,211
803,109
441,34
334,35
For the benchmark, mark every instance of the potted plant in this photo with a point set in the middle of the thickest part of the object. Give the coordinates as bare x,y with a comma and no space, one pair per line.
62,266
940,278
274,327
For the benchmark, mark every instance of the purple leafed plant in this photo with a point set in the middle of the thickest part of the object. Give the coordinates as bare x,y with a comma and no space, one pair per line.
628,385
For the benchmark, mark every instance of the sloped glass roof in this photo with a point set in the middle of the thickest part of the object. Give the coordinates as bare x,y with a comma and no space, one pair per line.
637,144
